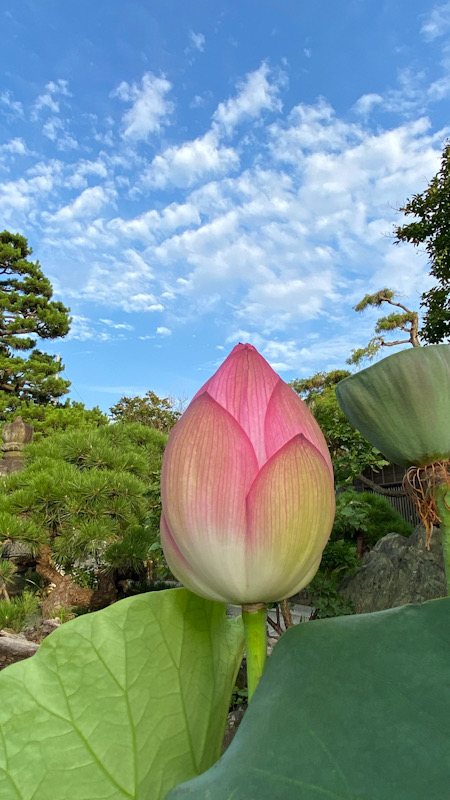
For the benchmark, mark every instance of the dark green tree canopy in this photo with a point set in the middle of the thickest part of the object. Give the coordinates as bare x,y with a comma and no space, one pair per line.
431,227
27,311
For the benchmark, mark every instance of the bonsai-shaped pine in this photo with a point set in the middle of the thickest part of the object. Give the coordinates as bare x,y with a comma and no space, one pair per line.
404,320
27,311
86,507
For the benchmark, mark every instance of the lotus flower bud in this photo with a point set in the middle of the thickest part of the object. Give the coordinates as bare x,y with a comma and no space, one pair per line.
247,487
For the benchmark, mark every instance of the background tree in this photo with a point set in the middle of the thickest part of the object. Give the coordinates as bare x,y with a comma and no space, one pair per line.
149,410
406,321
431,228
86,509
350,452
27,311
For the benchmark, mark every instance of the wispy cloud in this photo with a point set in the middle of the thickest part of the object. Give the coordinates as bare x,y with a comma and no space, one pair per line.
258,92
49,101
13,108
274,234
150,108
185,164
437,23
197,41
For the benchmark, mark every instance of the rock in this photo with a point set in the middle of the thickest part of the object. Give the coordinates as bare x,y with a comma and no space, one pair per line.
233,721
397,571
49,625
14,647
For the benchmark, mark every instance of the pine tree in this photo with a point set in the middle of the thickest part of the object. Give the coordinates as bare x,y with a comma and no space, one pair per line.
86,508
405,320
27,311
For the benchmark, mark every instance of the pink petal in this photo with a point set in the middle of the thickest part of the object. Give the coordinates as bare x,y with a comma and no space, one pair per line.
290,512
287,415
243,385
208,468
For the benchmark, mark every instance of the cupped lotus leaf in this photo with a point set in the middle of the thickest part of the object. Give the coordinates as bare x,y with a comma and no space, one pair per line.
402,405
349,708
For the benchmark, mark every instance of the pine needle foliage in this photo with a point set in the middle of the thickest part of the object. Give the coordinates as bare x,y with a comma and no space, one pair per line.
91,496
27,312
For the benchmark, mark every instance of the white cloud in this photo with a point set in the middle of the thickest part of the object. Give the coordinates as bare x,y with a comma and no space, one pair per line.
437,23
87,203
16,147
47,101
255,94
311,127
118,326
185,164
14,107
146,226
150,109
197,102
85,167
142,302
197,41
82,329
20,199
278,235
366,103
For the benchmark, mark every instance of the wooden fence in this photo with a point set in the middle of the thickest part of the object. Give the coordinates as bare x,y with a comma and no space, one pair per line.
391,478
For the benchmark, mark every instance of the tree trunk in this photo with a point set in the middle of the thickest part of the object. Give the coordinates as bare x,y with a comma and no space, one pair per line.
286,613
360,545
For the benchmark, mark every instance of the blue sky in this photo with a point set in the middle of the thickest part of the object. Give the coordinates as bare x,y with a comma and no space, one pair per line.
194,174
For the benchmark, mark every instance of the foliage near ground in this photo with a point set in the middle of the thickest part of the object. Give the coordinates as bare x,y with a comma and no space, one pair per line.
366,515
361,520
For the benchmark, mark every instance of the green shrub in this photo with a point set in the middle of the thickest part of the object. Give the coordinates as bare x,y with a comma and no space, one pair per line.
19,611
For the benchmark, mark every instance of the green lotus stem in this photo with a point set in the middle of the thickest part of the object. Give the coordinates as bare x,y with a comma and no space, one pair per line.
443,507
255,619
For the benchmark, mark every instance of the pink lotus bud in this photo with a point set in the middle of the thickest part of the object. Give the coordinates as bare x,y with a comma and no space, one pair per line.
247,487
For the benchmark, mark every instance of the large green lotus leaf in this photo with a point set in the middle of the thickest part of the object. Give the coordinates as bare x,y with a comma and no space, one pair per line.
350,708
402,404
123,703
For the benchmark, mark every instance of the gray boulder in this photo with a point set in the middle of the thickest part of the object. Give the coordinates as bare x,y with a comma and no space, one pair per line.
397,571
